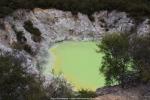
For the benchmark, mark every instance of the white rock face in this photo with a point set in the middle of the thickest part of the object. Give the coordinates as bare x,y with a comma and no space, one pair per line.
55,26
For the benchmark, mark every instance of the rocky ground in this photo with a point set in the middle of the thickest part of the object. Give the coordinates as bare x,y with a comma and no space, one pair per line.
139,92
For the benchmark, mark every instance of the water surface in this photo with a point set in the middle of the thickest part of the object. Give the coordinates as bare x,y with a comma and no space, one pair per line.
79,63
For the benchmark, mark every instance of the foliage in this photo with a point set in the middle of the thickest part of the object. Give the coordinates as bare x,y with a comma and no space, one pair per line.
16,84
140,51
59,88
83,93
134,7
22,46
35,32
21,43
126,59
117,62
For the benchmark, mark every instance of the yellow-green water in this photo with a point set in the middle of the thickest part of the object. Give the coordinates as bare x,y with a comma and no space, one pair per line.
79,63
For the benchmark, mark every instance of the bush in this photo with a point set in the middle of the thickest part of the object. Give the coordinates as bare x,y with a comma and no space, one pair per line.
133,7
16,84
140,51
35,32
59,88
126,60
83,93
116,60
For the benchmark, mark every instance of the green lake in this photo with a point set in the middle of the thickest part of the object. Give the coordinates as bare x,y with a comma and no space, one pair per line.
79,63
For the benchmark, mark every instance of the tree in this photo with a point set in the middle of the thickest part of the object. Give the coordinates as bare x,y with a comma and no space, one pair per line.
59,87
140,51
117,63
16,84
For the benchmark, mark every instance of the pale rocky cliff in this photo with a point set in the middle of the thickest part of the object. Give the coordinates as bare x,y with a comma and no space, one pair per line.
29,34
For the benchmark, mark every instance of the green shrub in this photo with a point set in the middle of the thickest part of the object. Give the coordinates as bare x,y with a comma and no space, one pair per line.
117,61
126,59
135,8
59,88
16,84
23,46
140,51
35,32
20,35
83,93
